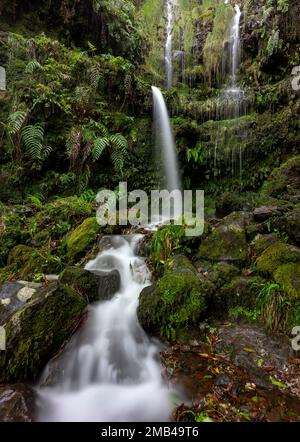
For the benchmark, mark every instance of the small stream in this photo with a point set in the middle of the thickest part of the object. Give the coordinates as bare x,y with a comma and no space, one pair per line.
110,370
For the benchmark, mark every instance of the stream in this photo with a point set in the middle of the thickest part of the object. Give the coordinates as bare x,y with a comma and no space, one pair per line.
110,370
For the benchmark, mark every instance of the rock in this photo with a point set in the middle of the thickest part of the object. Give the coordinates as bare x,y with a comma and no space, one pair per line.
176,300
276,255
285,180
227,242
95,286
17,403
241,291
288,276
222,380
265,212
27,259
81,238
262,242
290,224
227,203
14,294
37,330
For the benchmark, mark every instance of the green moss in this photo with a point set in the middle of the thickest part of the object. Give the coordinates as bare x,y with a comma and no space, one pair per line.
226,243
176,302
37,331
288,276
82,237
276,255
283,179
82,281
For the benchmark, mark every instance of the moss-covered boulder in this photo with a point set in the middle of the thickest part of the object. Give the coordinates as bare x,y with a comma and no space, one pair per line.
27,261
227,242
284,181
241,291
35,332
262,242
97,286
288,276
82,237
227,203
276,255
176,301
11,232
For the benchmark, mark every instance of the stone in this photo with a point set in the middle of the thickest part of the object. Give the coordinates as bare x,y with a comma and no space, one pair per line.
17,403
276,255
265,212
82,237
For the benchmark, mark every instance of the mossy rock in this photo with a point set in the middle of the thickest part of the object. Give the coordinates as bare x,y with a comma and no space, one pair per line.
227,242
241,291
82,237
11,233
227,203
288,276
284,180
174,303
98,286
276,255
57,218
262,242
36,332
27,261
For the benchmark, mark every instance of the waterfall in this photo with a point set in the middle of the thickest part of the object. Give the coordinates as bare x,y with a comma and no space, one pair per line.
109,371
232,100
165,143
235,44
169,44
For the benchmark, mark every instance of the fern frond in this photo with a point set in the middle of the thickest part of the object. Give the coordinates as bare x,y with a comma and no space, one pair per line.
16,121
117,158
99,145
32,66
33,137
119,142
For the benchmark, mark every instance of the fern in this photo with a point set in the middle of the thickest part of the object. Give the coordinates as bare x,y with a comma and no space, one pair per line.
32,66
100,144
16,121
33,137
117,158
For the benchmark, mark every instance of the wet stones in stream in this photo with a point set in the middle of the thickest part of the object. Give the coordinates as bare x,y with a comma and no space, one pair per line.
239,374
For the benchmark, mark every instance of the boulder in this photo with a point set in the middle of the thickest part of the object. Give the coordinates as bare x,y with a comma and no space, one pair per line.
262,242
288,276
227,242
17,403
13,294
37,330
95,286
263,213
276,255
176,301
82,237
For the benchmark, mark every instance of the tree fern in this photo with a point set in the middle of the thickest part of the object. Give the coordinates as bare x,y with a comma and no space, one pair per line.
33,137
99,145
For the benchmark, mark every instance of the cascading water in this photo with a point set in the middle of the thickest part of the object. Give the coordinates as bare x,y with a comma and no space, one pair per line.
233,102
165,142
235,44
108,372
169,44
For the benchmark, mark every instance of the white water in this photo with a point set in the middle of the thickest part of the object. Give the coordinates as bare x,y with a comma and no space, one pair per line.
110,371
165,143
235,44
169,43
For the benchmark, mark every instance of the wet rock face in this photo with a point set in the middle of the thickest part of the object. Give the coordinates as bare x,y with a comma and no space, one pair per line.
17,403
